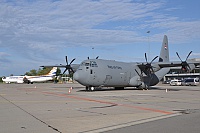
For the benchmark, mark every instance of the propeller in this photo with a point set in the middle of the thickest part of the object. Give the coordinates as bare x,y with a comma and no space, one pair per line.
148,68
146,80
68,66
184,64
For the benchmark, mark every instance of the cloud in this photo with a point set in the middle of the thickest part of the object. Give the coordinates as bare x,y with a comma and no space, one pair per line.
3,54
4,58
76,22
34,30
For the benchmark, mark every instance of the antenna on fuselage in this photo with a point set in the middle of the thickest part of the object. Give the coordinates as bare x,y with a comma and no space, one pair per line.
95,58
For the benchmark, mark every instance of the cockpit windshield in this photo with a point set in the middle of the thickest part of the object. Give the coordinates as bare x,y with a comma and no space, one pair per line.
91,64
87,64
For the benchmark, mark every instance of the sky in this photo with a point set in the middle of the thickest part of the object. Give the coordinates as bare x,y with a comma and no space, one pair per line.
43,32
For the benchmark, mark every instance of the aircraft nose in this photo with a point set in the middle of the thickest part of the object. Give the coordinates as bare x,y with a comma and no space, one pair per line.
76,76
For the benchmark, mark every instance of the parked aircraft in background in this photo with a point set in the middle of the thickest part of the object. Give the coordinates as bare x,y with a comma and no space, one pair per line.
94,73
13,79
31,79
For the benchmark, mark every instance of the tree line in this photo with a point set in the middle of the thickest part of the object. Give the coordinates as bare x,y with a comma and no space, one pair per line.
42,71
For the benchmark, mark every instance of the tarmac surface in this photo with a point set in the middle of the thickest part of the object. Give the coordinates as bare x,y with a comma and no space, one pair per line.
68,108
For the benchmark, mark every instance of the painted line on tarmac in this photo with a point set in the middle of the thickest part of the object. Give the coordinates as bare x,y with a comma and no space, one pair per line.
104,102
112,103
132,123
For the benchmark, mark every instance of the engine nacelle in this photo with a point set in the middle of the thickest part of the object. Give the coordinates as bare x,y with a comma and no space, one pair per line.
135,81
192,66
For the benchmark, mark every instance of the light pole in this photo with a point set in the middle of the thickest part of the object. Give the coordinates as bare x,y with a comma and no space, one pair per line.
148,46
93,52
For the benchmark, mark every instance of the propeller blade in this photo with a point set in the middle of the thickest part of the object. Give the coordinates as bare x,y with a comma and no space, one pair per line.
188,55
72,61
137,72
189,67
97,57
66,60
145,56
71,71
140,75
65,70
152,70
154,59
179,56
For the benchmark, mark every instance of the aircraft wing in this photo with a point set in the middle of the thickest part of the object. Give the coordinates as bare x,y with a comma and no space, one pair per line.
178,64
64,66
187,66
72,66
54,66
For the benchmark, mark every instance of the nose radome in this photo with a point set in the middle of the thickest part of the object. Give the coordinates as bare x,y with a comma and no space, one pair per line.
76,76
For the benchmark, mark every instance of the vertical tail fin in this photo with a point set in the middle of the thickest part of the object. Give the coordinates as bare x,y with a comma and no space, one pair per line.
164,53
53,71
164,57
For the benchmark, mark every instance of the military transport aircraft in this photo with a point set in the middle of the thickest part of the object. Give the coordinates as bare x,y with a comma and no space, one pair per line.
95,73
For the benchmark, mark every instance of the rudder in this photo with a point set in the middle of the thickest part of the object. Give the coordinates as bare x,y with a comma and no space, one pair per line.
164,53
53,71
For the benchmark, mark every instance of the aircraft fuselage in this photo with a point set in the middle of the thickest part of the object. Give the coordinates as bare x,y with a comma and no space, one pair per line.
108,73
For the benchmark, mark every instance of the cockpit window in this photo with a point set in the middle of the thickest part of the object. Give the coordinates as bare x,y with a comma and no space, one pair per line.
87,64
93,64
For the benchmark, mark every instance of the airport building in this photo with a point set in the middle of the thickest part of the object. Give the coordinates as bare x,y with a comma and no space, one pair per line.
177,73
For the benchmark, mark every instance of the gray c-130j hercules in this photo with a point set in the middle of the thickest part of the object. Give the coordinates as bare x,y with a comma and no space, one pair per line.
95,73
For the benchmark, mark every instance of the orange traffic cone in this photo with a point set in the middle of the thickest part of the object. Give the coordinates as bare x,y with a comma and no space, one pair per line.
69,91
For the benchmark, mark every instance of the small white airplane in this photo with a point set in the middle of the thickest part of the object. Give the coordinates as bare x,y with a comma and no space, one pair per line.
31,79
94,73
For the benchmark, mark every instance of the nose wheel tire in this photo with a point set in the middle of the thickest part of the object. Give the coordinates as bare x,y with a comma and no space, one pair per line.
90,88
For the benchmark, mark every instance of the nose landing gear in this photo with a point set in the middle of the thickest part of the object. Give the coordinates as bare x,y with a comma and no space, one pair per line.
90,88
